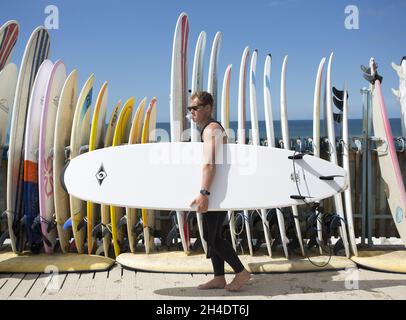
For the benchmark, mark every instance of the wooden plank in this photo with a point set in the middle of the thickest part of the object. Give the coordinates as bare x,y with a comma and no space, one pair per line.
84,283
143,285
113,286
68,289
128,290
4,278
54,286
98,285
25,286
39,286
12,283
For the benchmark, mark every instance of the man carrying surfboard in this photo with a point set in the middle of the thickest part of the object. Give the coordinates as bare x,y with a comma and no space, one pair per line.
219,250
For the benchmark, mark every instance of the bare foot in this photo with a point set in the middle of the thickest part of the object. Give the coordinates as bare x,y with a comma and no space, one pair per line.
216,283
239,280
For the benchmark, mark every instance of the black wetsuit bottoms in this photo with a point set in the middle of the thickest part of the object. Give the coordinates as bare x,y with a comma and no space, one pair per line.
219,249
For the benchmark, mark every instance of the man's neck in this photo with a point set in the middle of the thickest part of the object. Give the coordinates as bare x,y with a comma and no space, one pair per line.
202,124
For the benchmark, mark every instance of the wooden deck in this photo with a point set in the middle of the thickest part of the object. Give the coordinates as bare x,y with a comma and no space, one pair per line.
116,284
122,284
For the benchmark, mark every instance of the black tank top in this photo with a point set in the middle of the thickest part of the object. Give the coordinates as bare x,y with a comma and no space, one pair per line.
210,121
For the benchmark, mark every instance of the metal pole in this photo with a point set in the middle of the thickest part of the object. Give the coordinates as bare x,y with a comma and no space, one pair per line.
365,154
370,212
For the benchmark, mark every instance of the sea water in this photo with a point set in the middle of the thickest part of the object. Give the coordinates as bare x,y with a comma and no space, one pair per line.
301,128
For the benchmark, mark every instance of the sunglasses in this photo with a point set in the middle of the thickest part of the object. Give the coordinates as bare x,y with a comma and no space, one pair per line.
195,108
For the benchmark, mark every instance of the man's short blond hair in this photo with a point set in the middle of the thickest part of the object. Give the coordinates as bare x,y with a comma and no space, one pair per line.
204,97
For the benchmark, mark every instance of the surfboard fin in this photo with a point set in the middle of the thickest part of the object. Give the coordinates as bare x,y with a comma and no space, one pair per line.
62,176
4,215
96,230
82,224
51,225
339,94
338,117
338,246
271,217
335,222
369,77
3,237
46,240
365,69
67,151
173,235
338,103
398,70
105,232
67,224
137,228
100,251
396,93
83,149
122,222
197,244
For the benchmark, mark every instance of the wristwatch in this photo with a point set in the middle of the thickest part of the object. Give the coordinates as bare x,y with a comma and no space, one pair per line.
205,192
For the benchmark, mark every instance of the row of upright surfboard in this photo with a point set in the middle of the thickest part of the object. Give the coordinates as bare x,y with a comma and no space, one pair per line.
48,115
389,164
51,122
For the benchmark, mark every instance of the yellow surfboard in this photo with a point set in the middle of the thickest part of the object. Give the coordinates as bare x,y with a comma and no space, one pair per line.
148,215
135,137
105,209
95,142
121,134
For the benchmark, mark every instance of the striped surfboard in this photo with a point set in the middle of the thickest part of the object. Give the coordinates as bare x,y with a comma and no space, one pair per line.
35,53
8,38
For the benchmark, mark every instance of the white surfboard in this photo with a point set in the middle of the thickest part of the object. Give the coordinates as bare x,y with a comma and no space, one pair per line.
270,136
255,135
244,178
316,131
388,161
225,122
63,128
213,66
346,165
178,104
197,85
45,157
401,92
333,153
241,130
286,143
197,78
8,82
31,147
36,51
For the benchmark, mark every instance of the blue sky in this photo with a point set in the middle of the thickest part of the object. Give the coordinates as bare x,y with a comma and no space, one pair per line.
129,43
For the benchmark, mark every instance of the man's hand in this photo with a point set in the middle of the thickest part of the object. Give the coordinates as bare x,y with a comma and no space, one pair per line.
201,203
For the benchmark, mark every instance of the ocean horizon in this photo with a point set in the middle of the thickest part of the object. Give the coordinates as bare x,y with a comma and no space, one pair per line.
299,129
